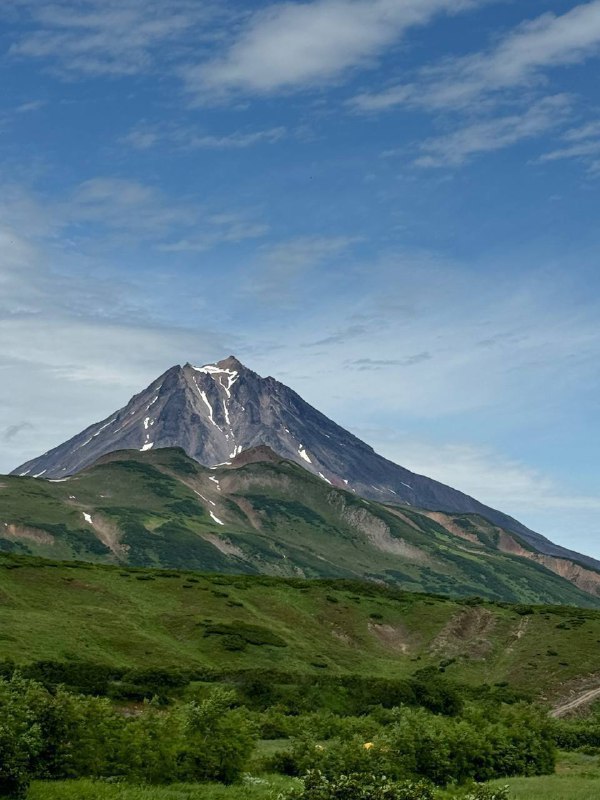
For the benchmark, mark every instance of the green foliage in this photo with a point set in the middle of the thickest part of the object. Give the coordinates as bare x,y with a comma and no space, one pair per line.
20,736
488,793
218,741
578,733
245,632
62,735
268,788
419,745
317,786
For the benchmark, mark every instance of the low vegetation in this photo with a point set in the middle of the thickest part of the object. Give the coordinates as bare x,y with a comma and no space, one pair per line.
57,735
136,632
172,685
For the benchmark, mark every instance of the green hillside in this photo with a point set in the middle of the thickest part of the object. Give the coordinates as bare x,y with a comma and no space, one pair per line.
79,613
269,516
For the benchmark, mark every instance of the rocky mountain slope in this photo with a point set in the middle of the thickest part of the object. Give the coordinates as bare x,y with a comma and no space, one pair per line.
216,411
262,514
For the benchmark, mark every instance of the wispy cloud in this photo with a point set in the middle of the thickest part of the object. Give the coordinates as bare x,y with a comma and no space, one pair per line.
291,46
144,137
112,211
580,144
485,474
518,59
223,229
364,364
89,341
282,268
493,134
105,37
496,97
13,431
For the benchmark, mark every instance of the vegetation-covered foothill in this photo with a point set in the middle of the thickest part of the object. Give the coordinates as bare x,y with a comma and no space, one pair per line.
170,685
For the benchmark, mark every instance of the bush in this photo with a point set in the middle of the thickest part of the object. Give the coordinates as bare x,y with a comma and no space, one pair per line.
62,735
20,735
420,745
488,793
317,786
217,740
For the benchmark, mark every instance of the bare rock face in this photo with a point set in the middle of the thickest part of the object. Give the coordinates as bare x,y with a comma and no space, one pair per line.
218,411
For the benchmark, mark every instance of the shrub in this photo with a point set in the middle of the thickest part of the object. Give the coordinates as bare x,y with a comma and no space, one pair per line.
20,735
488,793
251,634
420,745
317,786
217,741
63,735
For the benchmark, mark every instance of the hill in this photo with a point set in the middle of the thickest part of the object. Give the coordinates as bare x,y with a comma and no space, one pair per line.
262,514
76,614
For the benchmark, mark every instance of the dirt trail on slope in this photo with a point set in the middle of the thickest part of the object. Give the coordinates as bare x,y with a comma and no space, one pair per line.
582,699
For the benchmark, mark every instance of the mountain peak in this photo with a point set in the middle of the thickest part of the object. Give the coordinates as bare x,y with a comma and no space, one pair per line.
231,362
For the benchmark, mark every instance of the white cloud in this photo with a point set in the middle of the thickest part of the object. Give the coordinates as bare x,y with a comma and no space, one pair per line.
144,137
63,371
73,346
498,92
381,101
105,37
294,45
493,134
581,144
450,343
489,476
108,212
519,59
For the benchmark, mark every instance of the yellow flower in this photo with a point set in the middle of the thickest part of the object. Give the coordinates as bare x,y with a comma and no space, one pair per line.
368,745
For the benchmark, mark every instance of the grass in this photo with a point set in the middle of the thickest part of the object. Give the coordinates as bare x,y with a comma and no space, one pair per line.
577,778
267,788
74,613
153,509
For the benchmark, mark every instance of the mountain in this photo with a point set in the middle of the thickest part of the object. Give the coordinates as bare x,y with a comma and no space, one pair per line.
262,514
216,411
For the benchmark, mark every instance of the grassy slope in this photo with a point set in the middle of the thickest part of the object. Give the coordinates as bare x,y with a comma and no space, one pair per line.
577,778
147,618
154,509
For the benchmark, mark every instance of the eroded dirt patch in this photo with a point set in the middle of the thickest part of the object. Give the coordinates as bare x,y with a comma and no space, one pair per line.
20,532
109,534
378,533
224,545
392,637
448,523
466,634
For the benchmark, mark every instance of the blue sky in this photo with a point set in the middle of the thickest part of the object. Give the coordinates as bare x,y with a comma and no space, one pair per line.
392,206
